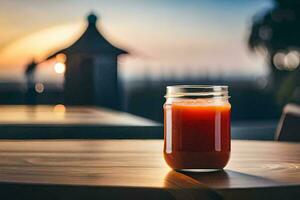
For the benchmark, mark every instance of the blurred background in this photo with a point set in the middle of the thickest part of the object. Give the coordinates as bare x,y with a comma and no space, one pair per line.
143,46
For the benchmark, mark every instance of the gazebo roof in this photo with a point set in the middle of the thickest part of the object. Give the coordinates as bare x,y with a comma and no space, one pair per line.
92,42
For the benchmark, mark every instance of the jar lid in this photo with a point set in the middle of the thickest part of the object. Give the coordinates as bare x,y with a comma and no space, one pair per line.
197,91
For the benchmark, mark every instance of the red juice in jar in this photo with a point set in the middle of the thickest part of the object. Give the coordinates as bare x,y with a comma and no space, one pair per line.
197,127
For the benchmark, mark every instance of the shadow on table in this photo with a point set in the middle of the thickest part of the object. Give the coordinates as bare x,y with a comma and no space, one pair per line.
183,187
235,185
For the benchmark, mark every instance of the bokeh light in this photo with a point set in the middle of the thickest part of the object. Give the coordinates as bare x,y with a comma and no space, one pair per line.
265,33
278,60
59,68
59,108
61,58
39,87
291,60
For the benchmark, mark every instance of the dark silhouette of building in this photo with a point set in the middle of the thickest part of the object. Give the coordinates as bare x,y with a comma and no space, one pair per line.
91,76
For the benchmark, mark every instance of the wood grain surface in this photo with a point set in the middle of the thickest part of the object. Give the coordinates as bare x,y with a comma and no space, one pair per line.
136,167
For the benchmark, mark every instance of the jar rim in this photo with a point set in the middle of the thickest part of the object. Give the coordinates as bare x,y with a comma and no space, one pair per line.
197,91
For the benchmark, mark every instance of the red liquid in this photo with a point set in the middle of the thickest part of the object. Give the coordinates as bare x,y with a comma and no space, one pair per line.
197,135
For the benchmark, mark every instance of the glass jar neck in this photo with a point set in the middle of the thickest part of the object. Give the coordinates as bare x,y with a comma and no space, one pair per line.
197,92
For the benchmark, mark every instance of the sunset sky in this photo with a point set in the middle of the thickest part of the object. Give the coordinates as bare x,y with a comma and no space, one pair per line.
164,38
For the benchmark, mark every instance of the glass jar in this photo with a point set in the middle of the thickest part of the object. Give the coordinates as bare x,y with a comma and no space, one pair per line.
197,127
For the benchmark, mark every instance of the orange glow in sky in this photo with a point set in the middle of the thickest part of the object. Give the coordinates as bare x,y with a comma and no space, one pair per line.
163,39
37,46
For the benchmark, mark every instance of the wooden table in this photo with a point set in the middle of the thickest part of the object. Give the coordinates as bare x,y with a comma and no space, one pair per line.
135,169
71,122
